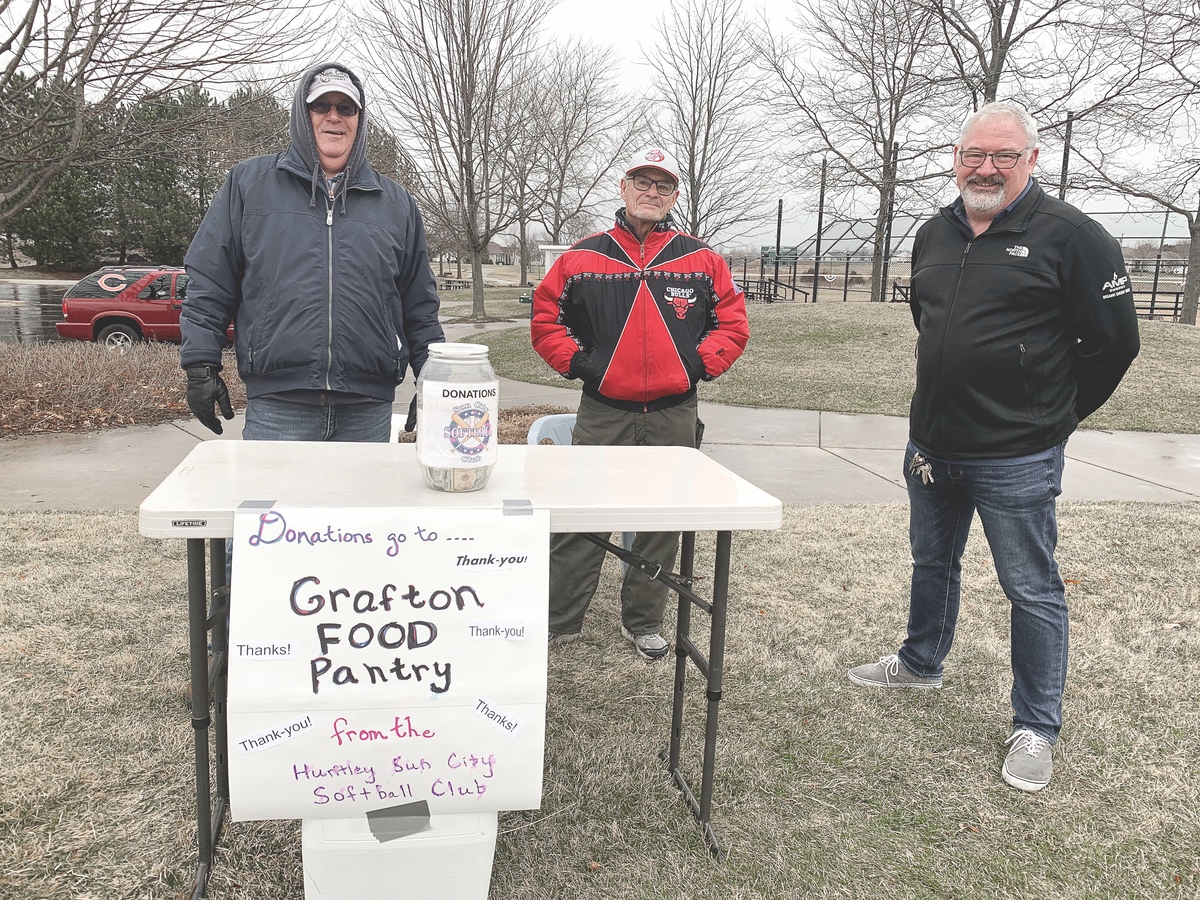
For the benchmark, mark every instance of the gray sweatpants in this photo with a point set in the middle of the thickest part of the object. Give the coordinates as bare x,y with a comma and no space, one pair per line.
575,562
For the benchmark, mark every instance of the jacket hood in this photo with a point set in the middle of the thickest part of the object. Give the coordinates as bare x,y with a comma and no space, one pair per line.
301,130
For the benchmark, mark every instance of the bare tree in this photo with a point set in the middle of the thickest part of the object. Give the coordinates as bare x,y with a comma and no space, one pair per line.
586,126
1056,57
451,67
1148,148
707,92
987,39
862,87
68,64
525,105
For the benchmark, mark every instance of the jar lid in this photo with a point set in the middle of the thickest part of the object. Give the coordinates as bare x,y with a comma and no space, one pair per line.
458,351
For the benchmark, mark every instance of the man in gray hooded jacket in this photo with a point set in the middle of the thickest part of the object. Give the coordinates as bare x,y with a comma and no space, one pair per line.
321,264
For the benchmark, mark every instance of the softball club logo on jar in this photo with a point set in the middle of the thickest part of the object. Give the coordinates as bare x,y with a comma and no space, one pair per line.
458,405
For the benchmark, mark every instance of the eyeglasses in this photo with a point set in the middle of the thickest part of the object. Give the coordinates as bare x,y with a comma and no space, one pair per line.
346,109
1005,159
643,183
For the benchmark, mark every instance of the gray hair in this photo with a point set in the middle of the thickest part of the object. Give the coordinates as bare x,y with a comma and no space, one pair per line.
1002,109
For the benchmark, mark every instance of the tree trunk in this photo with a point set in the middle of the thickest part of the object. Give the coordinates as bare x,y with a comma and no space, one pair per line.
1191,286
523,251
877,287
477,310
12,256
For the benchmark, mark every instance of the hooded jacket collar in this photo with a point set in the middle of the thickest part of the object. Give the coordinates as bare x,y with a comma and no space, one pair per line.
302,153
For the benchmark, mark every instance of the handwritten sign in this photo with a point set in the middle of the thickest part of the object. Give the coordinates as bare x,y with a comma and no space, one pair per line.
382,657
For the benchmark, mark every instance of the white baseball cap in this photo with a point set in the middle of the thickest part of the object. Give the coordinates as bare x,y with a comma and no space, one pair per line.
654,158
333,79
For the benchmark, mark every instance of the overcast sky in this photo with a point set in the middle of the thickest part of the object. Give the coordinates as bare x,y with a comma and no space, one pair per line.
628,27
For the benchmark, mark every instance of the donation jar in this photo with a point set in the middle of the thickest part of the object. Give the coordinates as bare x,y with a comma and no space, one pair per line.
458,405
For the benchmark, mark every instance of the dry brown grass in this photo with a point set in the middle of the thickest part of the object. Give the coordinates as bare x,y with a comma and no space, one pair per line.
858,358
838,357
46,388
78,386
823,790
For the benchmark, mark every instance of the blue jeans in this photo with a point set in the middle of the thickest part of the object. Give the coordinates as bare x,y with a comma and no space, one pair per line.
1016,505
270,419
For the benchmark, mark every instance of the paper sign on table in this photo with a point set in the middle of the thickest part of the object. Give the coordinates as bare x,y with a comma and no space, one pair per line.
383,657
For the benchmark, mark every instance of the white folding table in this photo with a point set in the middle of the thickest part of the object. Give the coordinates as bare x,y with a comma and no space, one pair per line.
585,489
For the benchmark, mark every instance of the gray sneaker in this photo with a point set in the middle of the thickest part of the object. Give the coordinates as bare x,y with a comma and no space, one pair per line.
651,646
557,639
1030,761
890,672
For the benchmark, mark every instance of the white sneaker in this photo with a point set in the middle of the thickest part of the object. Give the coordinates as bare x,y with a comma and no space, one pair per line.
651,646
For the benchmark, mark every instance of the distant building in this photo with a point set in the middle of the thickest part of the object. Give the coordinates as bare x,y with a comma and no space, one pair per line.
501,256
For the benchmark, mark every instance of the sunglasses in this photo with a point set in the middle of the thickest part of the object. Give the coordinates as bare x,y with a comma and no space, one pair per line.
346,109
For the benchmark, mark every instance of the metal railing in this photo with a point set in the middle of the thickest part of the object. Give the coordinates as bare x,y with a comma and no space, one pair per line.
802,280
1157,284
1160,305
768,290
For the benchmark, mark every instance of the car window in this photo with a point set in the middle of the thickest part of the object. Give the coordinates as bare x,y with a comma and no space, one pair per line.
181,283
91,287
158,289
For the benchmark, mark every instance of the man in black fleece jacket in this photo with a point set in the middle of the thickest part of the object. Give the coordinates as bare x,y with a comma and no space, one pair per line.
1026,326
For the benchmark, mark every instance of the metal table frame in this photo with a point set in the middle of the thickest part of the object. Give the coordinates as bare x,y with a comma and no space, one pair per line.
711,667
166,515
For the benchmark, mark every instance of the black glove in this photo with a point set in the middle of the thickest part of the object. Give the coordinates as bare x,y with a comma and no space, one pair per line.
582,367
204,388
410,424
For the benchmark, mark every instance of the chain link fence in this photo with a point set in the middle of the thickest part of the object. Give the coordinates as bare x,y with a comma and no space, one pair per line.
1155,247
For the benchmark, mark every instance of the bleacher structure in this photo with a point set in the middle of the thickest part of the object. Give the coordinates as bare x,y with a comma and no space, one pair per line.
1155,246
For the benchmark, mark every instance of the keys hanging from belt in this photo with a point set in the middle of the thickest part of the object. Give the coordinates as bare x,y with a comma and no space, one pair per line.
920,466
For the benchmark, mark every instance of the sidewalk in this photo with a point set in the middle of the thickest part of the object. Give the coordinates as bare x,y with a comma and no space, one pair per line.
801,457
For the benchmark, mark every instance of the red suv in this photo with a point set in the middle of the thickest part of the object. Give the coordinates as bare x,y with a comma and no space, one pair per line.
119,305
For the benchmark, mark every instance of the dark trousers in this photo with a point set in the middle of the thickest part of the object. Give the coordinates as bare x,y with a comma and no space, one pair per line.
575,562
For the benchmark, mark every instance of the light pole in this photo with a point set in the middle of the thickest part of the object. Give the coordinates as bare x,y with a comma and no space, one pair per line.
820,227
778,235
1066,163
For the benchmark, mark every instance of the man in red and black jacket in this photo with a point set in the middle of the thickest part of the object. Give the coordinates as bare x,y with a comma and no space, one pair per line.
640,313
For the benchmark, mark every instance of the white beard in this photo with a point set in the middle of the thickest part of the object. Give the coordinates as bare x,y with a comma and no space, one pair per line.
982,200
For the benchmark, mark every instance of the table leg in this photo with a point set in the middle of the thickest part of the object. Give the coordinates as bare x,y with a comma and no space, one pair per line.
711,667
716,669
198,652
208,620
683,625
218,623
